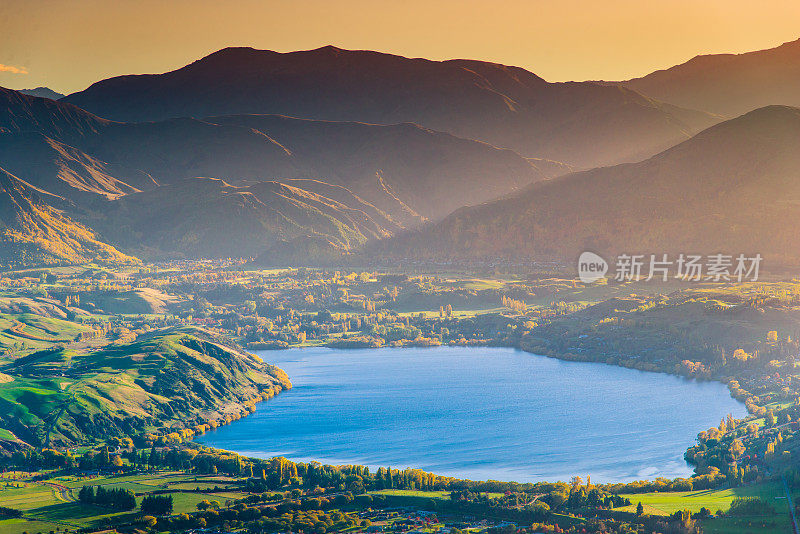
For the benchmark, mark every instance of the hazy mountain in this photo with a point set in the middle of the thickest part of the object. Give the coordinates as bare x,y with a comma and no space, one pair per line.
42,92
291,186
734,188
729,84
202,217
408,172
35,232
583,124
184,148
58,120
66,171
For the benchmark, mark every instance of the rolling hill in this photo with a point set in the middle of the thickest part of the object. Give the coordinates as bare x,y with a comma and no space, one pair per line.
728,84
164,377
734,188
583,124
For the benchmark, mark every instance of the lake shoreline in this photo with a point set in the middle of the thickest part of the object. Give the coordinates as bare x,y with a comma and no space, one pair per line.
310,454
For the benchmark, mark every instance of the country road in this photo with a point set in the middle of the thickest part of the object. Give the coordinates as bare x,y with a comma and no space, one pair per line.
791,506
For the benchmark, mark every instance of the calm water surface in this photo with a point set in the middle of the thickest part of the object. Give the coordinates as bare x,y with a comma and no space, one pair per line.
478,413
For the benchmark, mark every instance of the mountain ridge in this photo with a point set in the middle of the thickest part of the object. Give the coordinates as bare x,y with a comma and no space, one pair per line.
43,92
206,217
728,84
581,123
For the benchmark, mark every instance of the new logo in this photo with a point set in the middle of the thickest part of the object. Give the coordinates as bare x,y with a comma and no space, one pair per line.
591,267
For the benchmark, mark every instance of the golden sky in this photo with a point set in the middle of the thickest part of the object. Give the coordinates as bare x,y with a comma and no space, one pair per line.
68,44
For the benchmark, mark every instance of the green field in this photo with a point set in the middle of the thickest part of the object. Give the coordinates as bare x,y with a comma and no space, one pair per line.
27,498
46,509
18,526
720,499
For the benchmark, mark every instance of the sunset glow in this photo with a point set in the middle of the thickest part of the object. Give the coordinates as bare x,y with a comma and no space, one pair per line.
68,45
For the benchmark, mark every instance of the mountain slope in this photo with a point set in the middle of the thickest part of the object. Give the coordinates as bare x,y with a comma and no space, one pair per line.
583,124
35,232
66,171
734,188
182,148
408,172
729,84
167,151
201,217
402,169
58,120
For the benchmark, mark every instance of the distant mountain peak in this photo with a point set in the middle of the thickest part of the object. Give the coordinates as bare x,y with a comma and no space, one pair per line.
728,84
20,112
774,124
329,48
236,54
790,44
42,92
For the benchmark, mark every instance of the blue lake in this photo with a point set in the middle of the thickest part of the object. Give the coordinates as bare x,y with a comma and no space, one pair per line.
478,413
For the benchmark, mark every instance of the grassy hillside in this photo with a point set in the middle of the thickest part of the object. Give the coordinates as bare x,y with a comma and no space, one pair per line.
25,331
165,377
666,503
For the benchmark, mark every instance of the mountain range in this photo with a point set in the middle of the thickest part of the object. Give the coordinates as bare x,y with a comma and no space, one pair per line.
583,124
270,178
307,156
732,189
